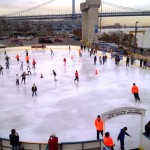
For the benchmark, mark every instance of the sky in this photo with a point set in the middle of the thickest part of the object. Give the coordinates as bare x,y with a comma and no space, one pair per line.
11,6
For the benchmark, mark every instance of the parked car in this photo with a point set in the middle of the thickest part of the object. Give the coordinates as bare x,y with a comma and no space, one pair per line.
16,42
58,40
45,40
77,38
2,46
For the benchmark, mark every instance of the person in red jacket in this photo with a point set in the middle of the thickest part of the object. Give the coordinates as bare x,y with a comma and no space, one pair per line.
76,76
53,142
108,141
99,126
135,91
17,57
65,61
33,63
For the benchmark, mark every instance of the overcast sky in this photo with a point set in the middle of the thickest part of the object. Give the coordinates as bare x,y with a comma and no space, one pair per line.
11,6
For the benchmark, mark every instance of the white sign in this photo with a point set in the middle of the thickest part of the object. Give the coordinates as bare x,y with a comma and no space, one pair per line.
123,111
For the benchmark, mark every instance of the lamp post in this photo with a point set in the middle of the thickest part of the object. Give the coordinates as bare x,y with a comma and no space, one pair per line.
135,45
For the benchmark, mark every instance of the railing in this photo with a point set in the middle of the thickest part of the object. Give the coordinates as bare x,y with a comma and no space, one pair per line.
81,145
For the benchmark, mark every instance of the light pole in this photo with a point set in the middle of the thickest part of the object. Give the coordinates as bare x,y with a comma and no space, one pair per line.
135,45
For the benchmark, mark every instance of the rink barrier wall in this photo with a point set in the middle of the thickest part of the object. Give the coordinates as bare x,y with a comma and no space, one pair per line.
145,142
81,145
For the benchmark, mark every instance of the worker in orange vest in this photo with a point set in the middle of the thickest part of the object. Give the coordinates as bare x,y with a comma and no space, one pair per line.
17,57
108,141
27,59
135,91
99,126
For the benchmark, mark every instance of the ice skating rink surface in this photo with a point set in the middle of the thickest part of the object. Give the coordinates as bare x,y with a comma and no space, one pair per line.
65,107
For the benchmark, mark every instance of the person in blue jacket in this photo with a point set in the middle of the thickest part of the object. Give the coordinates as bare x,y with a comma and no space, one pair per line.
121,137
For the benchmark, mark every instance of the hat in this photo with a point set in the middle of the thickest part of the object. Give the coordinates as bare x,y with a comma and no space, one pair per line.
53,134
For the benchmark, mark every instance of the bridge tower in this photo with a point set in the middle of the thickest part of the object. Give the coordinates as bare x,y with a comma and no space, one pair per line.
89,20
73,9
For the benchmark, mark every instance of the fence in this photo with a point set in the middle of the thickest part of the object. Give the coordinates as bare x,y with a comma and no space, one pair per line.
81,145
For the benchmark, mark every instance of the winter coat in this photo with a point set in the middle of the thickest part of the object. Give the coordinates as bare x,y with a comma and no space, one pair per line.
108,141
122,134
53,143
99,124
14,139
34,88
134,89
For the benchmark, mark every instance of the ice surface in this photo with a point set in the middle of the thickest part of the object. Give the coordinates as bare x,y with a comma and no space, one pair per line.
65,107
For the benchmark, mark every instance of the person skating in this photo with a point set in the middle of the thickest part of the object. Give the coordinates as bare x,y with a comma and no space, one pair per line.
23,77
17,57
121,137
7,58
69,49
52,53
1,70
34,89
108,141
54,73
17,79
26,51
141,62
7,64
21,67
144,63
53,142
95,59
76,76
14,139
64,61
99,126
135,91
33,63
127,62
100,60
27,59
28,70
103,58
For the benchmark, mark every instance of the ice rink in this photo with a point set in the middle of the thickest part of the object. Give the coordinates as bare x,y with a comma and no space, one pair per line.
65,107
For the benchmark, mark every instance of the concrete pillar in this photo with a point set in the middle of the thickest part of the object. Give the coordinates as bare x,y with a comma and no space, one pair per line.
89,20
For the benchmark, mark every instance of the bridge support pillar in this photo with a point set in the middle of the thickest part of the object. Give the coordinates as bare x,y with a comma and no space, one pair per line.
89,20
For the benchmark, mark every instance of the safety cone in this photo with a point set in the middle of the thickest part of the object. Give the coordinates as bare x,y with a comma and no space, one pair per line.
41,76
96,72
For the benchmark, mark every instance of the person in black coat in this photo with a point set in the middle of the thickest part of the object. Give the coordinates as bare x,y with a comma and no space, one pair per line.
14,139
147,129
34,89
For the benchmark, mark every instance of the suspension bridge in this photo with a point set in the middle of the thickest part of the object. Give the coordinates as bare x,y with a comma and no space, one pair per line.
55,9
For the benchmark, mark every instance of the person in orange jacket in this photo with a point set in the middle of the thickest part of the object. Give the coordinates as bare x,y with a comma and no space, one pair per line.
27,59
135,91
17,57
99,126
108,141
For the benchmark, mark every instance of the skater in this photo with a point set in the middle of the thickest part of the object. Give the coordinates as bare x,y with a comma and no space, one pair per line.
27,59
76,76
80,53
69,49
1,70
5,52
21,67
108,141
141,50
26,51
64,61
99,126
33,63
52,53
17,79
7,64
54,73
7,58
103,59
34,89
100,60
53,142
17,57
23,77
95,59
135,91
132,60
14,139
127,62
121,137
28,70
144,63
141,62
